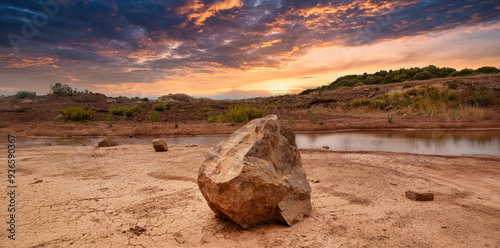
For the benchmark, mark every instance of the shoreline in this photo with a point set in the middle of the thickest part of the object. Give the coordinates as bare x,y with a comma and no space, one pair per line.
198,128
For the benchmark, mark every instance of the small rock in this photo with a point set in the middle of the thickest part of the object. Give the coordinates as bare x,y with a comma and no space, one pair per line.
27,101
393,184
326,147
315,181
160,145
107,142
419,196
137,230
37,181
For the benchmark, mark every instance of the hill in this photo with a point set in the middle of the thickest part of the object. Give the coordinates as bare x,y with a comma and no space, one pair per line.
401,75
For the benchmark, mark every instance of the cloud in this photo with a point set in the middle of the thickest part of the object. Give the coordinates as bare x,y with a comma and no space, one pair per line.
112,42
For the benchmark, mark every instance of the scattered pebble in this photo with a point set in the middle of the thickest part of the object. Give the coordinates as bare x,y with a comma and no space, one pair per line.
419,196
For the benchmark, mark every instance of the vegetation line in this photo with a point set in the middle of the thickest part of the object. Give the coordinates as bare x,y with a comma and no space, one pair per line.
401,75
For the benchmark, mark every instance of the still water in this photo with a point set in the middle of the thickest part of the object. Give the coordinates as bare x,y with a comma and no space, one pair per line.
437,142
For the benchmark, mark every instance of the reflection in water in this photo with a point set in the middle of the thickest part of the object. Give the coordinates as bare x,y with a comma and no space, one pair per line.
439,142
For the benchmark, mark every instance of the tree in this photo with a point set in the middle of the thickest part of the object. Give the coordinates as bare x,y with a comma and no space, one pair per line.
488,69
61,89
424,75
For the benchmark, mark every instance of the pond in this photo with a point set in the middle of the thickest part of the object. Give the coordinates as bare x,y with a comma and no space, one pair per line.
436,142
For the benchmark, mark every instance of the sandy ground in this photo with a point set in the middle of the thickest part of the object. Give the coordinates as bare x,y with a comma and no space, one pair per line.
129,195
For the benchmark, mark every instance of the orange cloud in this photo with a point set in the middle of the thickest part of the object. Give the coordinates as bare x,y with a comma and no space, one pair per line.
15,61
270,43
198,12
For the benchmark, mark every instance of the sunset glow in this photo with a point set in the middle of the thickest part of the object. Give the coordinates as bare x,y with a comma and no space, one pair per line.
234,48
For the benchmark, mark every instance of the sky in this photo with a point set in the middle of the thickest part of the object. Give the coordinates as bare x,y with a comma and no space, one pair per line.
228,49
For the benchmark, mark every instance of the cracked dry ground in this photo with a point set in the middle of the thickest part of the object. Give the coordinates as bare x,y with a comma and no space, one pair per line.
129,195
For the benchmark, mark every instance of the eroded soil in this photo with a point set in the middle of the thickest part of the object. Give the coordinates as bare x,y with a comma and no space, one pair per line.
131,196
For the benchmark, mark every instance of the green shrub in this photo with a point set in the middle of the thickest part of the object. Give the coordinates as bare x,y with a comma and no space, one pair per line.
109,120
153,116
77,113
24,94
159,107
220,118
313,117
463,72
389,118
125,111
241,113
356,103
479,96
291,121
488,70
176,124
61,89
206,109
452,85
210,117
270,106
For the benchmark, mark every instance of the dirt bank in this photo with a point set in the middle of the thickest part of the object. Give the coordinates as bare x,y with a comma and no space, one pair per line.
317,111
129,195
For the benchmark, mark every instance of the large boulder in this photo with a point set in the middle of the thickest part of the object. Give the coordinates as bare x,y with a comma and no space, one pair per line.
256,176
106,142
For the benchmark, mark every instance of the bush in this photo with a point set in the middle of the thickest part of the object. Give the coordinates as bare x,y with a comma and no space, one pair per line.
61,89
480,96
109,120
24,94
210,117
206,109
153,116
424,75
452,85
313,118
77,113
159,107
220,118
241,113
464,72
488,70
125,111
270,106
176,124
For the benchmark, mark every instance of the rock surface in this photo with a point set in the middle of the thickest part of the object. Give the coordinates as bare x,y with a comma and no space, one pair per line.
256,176
160,145
419,196
106,142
